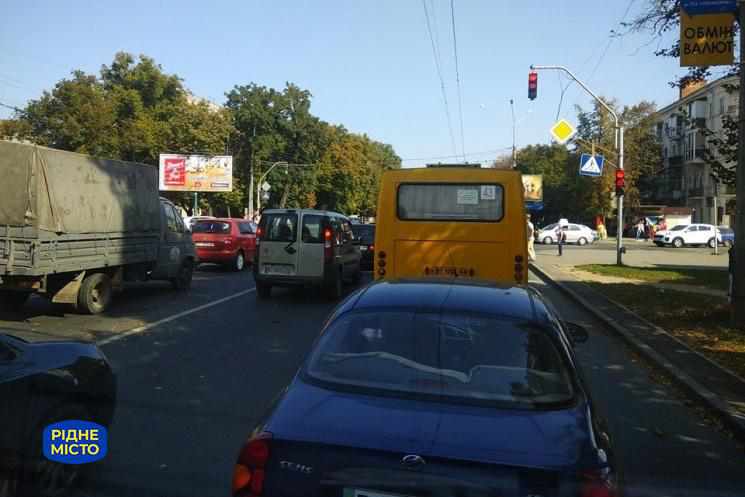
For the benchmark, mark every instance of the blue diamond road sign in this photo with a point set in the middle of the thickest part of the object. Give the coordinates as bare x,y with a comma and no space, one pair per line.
698,7
591,165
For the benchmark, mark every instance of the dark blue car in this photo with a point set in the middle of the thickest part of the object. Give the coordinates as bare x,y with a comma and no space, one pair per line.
426,388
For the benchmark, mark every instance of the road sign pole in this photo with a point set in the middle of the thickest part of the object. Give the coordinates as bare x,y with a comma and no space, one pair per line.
619,229
738,276
196,204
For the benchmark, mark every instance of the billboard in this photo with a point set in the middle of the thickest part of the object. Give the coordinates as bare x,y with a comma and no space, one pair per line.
533,186
195,173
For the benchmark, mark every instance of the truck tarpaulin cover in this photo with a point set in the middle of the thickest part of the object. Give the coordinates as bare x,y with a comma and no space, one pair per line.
65,192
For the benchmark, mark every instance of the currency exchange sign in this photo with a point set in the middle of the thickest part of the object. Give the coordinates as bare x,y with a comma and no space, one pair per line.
707,40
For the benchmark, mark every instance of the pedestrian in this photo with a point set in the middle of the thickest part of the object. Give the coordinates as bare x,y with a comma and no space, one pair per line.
639,230
662,225
561,235
531,240
652,231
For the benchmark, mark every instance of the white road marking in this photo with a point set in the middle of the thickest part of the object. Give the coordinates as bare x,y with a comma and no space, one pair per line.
149,326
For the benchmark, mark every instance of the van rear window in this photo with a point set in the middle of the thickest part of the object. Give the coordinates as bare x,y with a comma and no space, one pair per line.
451,202
280,227
312,224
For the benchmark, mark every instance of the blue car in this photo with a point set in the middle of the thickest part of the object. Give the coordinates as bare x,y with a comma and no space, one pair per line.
433,388
728,235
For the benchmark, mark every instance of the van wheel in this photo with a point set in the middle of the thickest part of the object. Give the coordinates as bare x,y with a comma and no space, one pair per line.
13,301
95,293
239,263
582,241
263,290
335,288
182,281
678,243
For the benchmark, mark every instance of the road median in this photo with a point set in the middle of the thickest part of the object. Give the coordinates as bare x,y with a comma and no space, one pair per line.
712,384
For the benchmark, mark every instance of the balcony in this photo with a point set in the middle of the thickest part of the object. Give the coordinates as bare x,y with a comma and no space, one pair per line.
696,192
675,161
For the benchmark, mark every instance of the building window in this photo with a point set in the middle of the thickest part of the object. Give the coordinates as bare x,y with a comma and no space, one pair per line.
722,108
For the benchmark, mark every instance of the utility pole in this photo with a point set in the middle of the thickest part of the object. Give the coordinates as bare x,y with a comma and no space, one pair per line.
619,147
514,148
251,166
738,276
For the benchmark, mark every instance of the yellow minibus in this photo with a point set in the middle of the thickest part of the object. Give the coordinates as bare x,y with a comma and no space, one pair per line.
451,222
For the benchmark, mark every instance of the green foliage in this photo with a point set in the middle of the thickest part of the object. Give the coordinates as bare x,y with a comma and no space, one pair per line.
135,111
565,192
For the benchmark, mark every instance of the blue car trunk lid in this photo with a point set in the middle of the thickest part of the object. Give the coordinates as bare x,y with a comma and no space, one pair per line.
353,440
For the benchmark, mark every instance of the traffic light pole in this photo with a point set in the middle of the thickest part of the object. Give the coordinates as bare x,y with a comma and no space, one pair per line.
619,146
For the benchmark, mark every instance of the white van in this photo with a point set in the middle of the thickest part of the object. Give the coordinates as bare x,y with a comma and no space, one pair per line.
305,247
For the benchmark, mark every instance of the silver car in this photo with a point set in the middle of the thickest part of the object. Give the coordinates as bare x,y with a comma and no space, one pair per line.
575,233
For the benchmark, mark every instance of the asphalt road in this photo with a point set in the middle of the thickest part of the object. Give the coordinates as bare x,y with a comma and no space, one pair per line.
192,386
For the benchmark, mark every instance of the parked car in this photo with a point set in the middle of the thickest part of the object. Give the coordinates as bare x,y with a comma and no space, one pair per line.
305,247
365,233
434,388
41,383
227,241
575,233
728,236
688,234
191,221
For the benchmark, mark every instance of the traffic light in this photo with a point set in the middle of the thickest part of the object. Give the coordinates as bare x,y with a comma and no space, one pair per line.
532,85
620,182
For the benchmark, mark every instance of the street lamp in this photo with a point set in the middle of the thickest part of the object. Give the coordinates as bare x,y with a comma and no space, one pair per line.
261,181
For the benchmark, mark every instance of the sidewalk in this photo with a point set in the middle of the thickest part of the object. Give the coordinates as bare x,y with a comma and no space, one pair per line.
713,385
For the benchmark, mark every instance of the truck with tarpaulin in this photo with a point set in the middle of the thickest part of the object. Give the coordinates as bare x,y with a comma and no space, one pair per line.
74,228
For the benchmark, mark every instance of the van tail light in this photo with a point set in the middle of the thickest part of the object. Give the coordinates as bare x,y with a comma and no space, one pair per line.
371,248
328,246
249,471
596,483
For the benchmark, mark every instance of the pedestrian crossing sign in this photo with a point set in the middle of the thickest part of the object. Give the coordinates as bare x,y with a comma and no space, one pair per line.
591,165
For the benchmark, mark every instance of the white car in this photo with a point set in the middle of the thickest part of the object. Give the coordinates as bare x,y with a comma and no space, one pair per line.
688,234
575,233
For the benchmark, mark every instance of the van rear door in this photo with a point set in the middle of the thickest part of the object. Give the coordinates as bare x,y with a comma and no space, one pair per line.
311,245
278,251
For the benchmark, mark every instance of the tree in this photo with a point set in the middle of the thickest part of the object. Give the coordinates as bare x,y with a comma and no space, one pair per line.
642,153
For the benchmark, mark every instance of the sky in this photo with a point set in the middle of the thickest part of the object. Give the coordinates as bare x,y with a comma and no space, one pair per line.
369,64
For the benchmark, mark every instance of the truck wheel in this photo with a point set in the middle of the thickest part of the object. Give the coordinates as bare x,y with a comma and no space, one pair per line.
335,288
263,290
239,262
13,301
95,293
678,243
182,281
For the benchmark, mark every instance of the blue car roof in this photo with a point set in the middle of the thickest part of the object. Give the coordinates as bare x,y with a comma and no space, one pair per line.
452,295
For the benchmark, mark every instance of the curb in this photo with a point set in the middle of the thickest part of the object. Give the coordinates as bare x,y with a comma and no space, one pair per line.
731,418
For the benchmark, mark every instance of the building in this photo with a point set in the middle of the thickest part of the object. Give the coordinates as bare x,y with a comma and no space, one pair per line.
685,180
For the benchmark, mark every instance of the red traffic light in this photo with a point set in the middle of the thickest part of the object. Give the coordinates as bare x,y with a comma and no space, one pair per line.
532,85
620,178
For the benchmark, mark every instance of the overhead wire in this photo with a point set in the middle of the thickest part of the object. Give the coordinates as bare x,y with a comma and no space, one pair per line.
611,39
457,81
470,154
439,75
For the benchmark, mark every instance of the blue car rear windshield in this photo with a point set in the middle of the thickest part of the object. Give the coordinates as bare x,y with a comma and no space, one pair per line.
454,356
